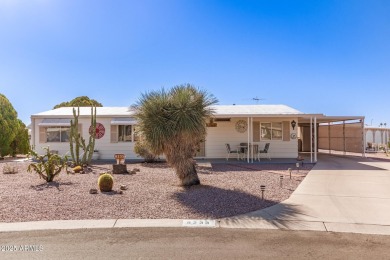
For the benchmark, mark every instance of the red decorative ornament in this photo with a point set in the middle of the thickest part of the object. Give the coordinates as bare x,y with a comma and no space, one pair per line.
99,131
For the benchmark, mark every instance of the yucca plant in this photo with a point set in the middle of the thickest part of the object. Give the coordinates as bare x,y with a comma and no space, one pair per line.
173,123
49,165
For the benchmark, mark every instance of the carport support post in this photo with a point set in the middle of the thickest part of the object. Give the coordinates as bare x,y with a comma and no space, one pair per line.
315,139
345,149
330,151
311,139
251,137
247,151
363,139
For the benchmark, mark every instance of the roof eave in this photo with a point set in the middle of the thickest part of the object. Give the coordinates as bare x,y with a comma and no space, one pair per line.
257,115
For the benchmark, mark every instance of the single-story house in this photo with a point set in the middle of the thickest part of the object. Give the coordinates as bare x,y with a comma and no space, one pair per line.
287,130
376,137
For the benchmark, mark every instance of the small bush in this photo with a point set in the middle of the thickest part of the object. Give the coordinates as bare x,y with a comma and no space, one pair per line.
141,149
105,182
48,165
10,169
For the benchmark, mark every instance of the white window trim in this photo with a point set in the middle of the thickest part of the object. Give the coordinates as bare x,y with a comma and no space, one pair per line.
60,127
132,134
271,139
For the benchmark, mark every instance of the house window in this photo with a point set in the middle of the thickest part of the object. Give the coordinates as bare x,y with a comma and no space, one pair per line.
277,132
127,133
271,131
58,134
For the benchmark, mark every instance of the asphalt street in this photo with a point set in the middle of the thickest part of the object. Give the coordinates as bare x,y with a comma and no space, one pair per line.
190,243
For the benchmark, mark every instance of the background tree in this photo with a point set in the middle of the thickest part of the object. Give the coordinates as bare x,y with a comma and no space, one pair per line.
82,101
20,144
173,123
8,125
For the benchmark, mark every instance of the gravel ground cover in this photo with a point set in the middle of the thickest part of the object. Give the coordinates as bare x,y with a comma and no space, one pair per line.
227,189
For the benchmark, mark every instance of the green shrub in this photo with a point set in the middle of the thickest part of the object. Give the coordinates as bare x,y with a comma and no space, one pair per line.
105,182
142,149
48,165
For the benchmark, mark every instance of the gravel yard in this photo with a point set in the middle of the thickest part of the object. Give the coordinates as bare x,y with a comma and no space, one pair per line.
227,189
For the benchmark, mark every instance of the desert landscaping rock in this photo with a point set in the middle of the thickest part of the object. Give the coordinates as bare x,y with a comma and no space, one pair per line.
123,187
93,191
226,190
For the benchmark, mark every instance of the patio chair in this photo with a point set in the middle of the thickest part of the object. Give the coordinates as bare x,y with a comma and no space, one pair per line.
230,151
256,152
265,151
243,149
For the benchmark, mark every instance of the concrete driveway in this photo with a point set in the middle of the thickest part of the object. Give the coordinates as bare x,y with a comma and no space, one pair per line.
341,194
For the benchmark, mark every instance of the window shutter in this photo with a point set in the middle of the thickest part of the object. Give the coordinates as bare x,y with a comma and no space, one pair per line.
286,131
256,131
114,134
42,135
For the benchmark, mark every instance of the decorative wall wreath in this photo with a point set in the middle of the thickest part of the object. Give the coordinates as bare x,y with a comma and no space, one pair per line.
99,131
241,126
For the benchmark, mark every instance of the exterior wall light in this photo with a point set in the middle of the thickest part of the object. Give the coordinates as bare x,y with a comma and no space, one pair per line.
293,124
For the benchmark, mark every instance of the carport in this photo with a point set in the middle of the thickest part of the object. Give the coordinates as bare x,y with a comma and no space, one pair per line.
330,133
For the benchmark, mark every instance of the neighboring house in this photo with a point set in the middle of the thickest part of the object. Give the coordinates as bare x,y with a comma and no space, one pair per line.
376,137
288,130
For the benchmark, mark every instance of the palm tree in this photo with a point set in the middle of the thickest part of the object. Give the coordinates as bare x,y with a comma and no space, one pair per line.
173,123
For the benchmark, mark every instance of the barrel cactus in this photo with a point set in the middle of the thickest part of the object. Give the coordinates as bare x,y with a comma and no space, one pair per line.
77,169
105,182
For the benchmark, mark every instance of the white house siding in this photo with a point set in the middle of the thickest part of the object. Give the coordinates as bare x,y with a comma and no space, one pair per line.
216,138
106,148
225,132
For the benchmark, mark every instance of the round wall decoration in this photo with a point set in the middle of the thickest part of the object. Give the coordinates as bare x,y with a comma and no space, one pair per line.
99,131
241,126
293,135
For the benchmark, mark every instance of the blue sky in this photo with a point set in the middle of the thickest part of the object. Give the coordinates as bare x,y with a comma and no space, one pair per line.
323,56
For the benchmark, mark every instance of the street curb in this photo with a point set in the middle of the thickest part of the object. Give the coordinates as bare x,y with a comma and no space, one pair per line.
358,228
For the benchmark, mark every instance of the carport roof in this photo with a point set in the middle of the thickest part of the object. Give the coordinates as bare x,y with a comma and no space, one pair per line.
254,110
328,119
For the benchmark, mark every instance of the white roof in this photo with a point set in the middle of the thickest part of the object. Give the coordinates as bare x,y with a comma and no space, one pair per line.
86,111
220,111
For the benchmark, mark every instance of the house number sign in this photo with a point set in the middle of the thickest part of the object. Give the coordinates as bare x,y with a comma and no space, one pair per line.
99,131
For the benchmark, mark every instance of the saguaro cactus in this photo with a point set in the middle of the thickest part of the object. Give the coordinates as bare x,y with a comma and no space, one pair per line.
76,141
74,137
